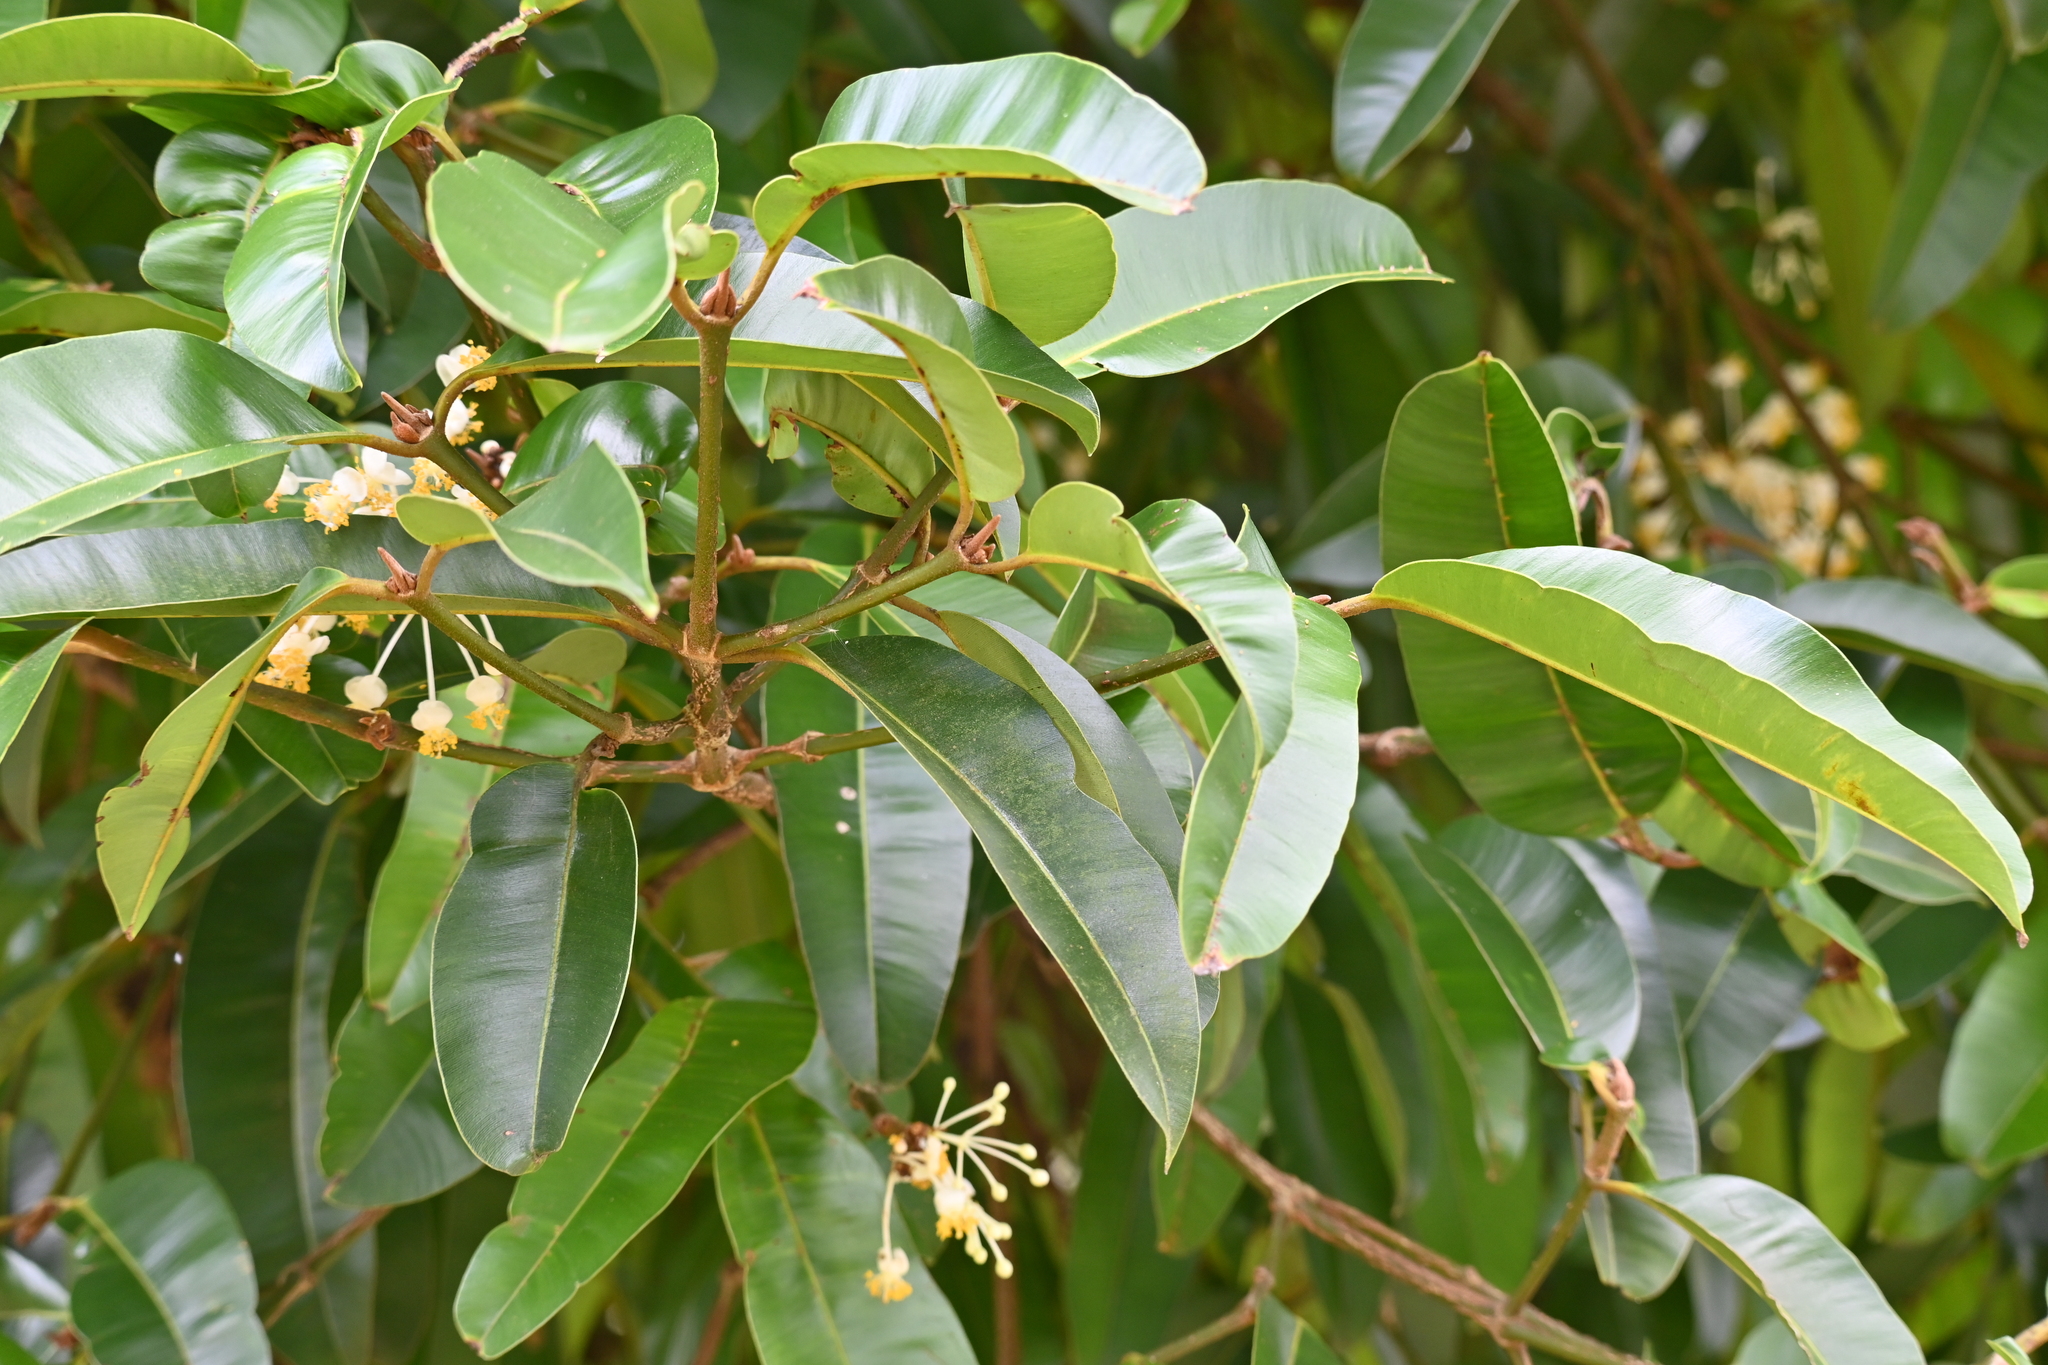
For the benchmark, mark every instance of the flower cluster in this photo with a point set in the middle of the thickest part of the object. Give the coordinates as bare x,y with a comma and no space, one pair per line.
934,1156
290,663
369,488
462,425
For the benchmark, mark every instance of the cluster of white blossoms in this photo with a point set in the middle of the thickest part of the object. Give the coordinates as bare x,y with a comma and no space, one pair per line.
1799,511
290,663
434,718
934,1156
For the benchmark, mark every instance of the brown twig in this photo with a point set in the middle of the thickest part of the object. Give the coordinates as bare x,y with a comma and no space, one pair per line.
1619,1090
730,1278
1384,749
1930,433
1243,1315
302,1276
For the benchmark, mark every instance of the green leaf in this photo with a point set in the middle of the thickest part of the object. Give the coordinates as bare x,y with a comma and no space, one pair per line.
442,521
640,1130
908,305
1972,159
1734,670
679,43
1100,628
1545,933
300,35
1838,1131
1719,823
584,529
387,1136
1403,65
254,1066
1191,1198
1188,289
165,1278
29,660
1853,1001
187,408
802,1201
1280,1338
1046,267
1181,549
1037,116
1470,469
188,258
213,167
634,423
2019,587
47,308
239,570
126,56
1095,897
284,287
144,826
1892,617
1261,837
880,440
878,870
1781,1251
1994,1090
418,873
631,176
530,960
1734,979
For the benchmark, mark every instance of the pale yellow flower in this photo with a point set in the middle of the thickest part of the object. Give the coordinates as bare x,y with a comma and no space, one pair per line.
888,1280
464,357
1834,412
431,719
290,662
1771,426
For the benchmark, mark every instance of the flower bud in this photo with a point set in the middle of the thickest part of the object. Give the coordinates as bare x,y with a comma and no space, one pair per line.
366,692
484,691
319,625
432,715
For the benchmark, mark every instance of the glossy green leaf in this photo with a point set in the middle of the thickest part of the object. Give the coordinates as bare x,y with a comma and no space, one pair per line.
1734,670
584,529
908,305
46,308
802,1200
1096,899
1470,469
188,258
144,826
1734,979
126,55
442,521
1046,267
1038,116
1972,159
387,1136
213,167
1853,999
1719,823
630,176
1994,1090
1403,65
676,39
28,660
188,408
425,858
1261,837
640,1130
165,1277
254,1064
1781,1251
530,960
880,440
299,35
1100,628
878,870
1545,933
1280,1338
1187,290
2019,587
634,423
1892,617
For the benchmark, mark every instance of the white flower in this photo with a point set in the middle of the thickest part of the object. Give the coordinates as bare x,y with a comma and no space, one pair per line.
1805,377
1686,429
381,482
431,719
1771,426
366,692
467,356
487,695
290,660
319,625
1869,470
1728,372
1834,412
887,1280
460,428
287,486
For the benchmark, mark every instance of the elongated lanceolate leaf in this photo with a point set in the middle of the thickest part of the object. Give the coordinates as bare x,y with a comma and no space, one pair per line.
1095,897
878,864
28,660
879,449
1039,116
1891,617
802,1200
126,55
585,529
96,422
145,825
640,1130
1783,1253
1187,289
908,305
1732,669
1405,61
418,873
1261,837
1973,156
165,1277
1994,1090
46,308
530,960
1046,267
254,1065
299,35
387,1137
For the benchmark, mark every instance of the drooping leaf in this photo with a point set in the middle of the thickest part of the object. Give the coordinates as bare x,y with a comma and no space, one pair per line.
1971,162
1781,1251
878,870
1403,65
418,873
880,440
1187,290
530,960
1261,837
640,1130
145,826
679,43
1037,116
1046,267
1853,1000
584,529
1994,1090
387,1136
1470,469
165,1278
46,308
802,1201
1734,670
634,423
1719,823
126,56
1894,617
187,408
1098,901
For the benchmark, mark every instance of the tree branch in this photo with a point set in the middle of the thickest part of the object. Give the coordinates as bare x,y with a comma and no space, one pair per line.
1236,1320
